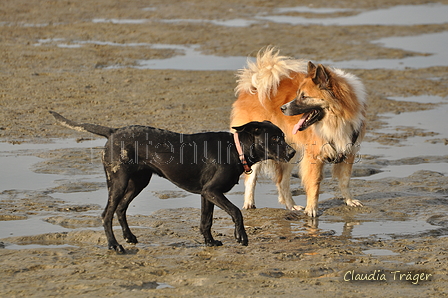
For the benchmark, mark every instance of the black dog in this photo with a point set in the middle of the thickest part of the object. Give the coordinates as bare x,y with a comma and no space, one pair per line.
209,164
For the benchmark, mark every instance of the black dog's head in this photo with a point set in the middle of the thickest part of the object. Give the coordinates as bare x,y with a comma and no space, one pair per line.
264,140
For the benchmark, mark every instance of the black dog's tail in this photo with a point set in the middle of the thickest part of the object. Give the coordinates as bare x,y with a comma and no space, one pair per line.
93,128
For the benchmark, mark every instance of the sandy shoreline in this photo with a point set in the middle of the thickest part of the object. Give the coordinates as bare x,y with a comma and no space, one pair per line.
48,65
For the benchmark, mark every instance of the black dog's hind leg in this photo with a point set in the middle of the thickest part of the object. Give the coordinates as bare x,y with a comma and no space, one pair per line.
218,198
207,221
136,184
117,186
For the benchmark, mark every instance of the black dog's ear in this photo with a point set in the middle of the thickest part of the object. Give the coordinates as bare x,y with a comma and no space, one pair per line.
239,128
249,128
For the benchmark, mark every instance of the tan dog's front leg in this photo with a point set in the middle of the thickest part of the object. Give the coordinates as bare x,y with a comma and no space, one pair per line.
311,173
249,183
343,172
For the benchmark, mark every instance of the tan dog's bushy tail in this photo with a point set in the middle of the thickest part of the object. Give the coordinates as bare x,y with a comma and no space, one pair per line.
264,75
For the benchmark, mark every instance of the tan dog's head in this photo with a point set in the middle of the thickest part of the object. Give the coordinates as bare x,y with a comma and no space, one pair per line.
322,92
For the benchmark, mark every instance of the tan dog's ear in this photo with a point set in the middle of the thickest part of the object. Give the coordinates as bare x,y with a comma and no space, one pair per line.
321,77
311,70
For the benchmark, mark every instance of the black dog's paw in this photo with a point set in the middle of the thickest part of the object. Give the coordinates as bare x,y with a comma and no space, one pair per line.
118,249
131,239
244,242
241,237
213,243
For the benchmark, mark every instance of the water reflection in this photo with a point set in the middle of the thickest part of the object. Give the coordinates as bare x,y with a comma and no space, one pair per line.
352,229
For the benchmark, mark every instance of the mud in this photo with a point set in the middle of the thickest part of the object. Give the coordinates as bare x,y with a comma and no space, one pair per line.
56,57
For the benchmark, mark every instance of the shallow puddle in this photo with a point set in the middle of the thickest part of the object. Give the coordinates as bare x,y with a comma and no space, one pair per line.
396,15
192,59
380,252
18,159
310,9
189,57
421,99
431,122
36,246
27,227
402,171
120,21
432,45
226,23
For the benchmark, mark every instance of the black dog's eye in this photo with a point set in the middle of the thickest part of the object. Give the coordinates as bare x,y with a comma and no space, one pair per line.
275,139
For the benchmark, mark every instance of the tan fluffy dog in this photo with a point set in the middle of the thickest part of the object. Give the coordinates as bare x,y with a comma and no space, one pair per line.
328,108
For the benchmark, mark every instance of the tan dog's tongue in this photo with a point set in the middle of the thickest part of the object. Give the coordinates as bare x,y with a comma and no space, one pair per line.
298,125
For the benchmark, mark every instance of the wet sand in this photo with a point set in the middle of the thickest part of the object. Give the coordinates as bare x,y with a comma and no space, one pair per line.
48,65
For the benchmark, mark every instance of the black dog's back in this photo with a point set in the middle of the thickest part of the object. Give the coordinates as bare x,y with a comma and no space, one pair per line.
187,160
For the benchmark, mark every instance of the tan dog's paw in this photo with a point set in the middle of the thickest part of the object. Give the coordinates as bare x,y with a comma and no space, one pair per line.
249,206
311,212
354,203
297,208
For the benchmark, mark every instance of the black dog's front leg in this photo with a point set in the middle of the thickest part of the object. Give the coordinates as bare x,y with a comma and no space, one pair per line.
217,198
207,221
